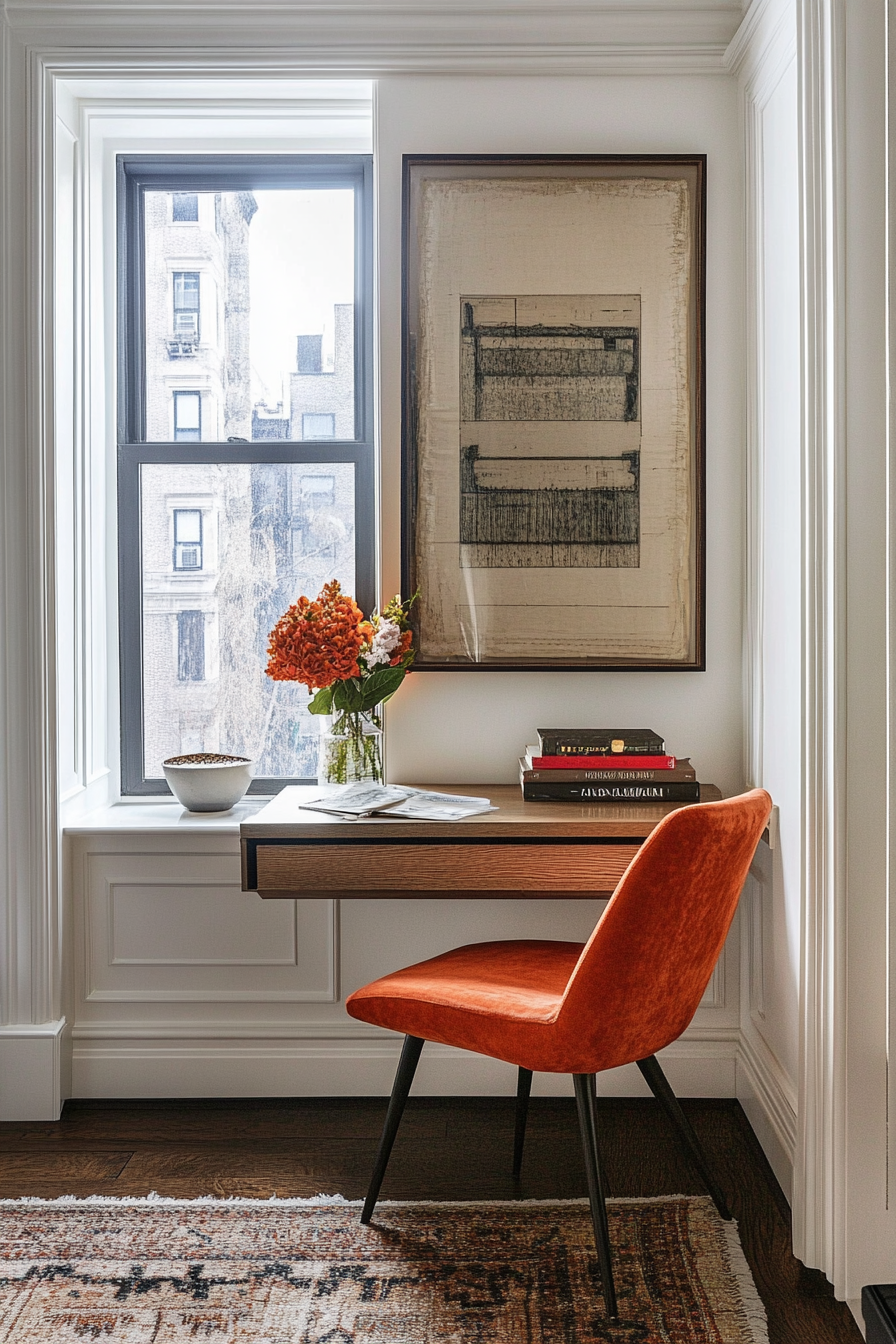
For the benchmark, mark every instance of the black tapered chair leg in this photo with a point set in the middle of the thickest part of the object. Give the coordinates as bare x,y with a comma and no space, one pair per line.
659,1086
597,1185
404,1076
523,1090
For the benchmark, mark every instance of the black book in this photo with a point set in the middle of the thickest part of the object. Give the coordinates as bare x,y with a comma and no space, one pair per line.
682,792
684,773
600,742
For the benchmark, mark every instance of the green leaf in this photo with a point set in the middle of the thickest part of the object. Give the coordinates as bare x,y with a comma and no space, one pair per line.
382,685
322,702
347,696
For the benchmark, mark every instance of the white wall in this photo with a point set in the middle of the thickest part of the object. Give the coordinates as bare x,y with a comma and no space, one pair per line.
148,1018
777,744
473,726
772,907
470,723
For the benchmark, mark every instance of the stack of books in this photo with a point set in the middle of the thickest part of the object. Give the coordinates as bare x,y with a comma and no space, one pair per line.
605,765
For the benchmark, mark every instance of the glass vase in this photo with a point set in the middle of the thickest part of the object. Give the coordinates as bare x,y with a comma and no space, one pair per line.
351,749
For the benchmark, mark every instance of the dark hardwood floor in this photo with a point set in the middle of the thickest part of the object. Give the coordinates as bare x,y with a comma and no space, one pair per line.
447,1148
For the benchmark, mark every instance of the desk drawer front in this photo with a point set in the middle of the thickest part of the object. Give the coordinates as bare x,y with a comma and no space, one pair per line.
357,869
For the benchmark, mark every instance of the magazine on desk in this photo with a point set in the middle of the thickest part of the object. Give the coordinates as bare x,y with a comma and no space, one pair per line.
397,800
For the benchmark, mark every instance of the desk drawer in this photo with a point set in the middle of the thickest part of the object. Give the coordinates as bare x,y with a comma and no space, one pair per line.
436,869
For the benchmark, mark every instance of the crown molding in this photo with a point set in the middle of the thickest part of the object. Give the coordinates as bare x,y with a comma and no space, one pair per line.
766,38
371,37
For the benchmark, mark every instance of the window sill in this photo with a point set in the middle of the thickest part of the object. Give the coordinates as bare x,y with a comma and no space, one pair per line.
161,817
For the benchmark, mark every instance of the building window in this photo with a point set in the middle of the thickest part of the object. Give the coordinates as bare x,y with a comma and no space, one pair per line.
190,646
318,492
187,539
317,426
186,305
187,417
185,207
290,488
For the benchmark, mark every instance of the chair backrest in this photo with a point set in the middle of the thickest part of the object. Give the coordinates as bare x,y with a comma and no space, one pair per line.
646,966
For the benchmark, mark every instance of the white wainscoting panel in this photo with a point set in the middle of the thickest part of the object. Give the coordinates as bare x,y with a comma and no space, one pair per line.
187,986
765,1089
176,928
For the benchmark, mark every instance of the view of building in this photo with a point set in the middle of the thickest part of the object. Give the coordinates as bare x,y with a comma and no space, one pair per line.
322,401
227,546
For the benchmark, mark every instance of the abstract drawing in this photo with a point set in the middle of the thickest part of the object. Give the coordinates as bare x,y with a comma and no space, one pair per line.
550,432
554,410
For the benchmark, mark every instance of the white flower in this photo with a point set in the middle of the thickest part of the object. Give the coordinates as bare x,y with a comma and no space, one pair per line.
385,642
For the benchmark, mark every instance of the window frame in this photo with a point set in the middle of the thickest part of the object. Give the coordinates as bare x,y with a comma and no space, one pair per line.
136,174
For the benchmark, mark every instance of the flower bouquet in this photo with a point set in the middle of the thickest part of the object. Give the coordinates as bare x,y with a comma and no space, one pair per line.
353,665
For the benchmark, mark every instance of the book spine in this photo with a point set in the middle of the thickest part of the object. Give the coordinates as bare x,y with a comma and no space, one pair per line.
583,762
610,793
554,745
680,775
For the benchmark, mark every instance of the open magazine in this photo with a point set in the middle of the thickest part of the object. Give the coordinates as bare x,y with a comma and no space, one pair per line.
366,800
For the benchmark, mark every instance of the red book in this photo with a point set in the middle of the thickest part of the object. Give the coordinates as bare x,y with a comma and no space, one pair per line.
602,763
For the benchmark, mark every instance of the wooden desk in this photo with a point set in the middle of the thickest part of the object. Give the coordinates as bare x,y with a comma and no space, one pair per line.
524,849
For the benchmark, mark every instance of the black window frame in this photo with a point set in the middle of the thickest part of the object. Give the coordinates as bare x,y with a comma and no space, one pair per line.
137,174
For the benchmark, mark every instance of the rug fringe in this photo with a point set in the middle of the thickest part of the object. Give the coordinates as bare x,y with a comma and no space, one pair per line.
752,1312
135,1201
321,1200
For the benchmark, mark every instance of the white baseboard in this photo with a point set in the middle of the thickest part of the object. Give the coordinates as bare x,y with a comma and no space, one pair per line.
855,1306
768,1097
329,1066
31,1082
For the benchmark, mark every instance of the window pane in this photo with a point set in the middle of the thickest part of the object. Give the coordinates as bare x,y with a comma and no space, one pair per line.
186,289
267,532
318,426
190,645
262,315
184,207
187,525
187,539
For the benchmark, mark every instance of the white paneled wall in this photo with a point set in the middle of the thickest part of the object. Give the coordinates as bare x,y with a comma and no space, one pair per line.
183,985
765,57
180,984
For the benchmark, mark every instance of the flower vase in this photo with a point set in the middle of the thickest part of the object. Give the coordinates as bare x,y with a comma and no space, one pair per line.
351,749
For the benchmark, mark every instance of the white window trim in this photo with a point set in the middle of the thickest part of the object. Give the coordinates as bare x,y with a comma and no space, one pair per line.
92,119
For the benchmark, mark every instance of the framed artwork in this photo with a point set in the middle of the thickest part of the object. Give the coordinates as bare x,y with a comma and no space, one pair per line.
553,419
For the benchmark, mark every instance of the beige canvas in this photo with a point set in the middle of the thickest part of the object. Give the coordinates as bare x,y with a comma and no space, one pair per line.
555,435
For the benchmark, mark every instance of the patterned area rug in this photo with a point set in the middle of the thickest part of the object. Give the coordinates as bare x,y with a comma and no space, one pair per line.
161,1271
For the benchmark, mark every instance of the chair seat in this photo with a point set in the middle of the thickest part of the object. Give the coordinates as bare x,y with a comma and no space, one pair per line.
495,998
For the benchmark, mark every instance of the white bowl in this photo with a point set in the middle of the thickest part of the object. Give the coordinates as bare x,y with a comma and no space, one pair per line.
207,782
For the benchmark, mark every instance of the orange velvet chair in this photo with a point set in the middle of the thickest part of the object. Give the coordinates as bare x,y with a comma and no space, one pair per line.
561,1007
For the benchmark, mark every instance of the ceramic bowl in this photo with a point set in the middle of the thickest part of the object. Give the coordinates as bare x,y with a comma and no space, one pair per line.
207,782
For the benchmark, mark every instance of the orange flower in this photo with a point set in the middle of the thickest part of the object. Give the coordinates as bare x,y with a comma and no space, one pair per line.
317,643
406,638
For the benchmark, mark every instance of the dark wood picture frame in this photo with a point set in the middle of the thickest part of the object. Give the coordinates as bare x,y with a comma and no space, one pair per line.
539,362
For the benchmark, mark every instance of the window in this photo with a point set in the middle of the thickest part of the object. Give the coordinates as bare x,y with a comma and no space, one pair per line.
318,491
186,305
185,207
190,646
187,417
187,539
273,432
318,426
